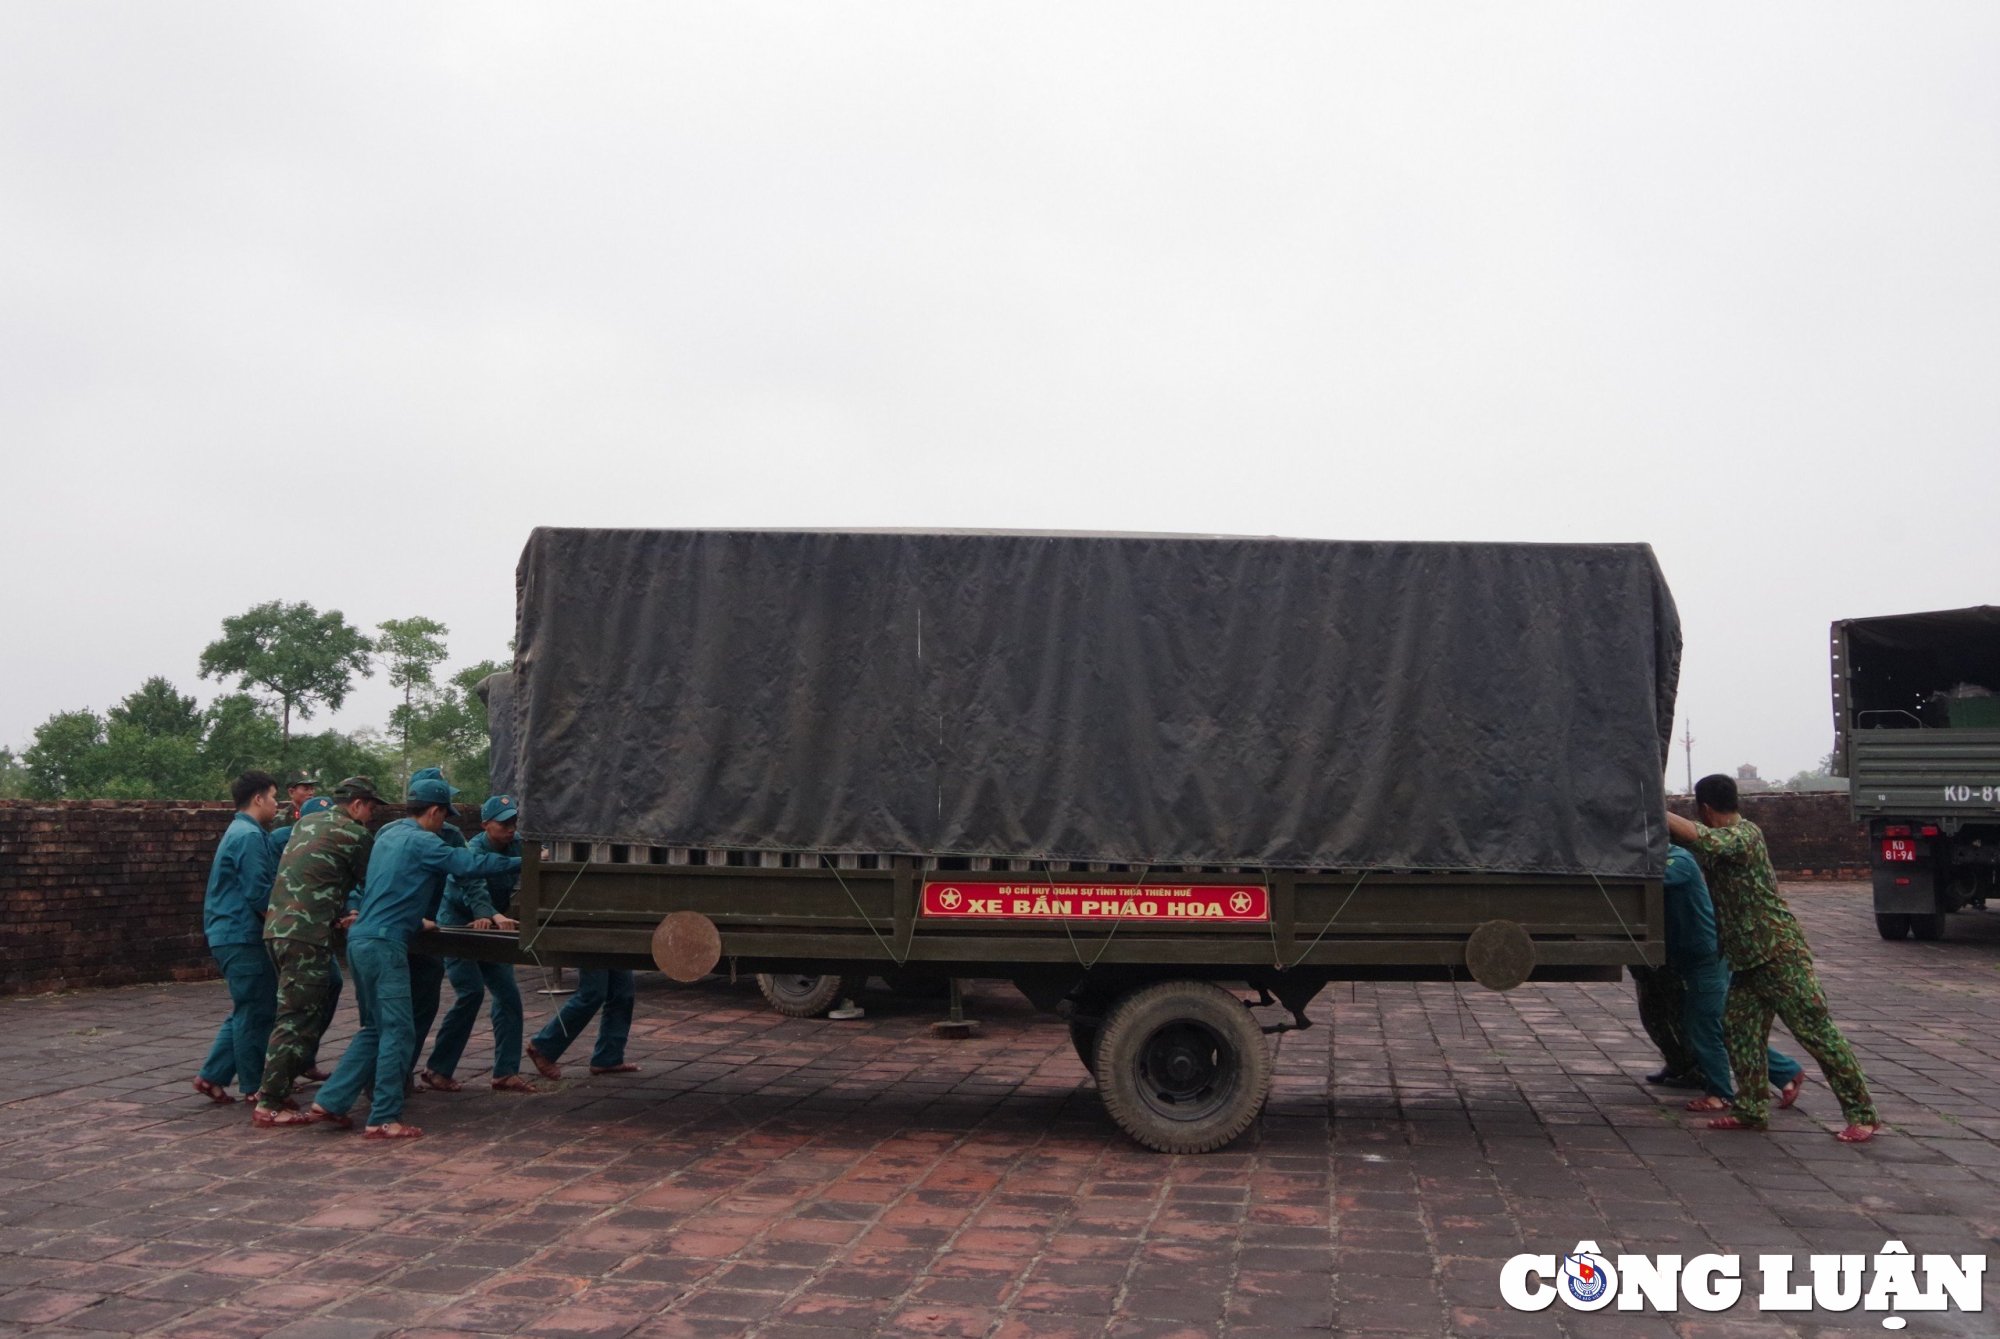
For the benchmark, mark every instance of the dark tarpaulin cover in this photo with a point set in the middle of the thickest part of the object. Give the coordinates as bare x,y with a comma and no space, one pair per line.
497,692
1134,698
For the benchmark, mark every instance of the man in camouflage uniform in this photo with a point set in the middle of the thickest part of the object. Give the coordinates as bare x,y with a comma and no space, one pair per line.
1773,966
326,855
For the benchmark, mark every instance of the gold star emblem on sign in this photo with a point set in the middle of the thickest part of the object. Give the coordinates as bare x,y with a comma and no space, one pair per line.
949,899
1240,901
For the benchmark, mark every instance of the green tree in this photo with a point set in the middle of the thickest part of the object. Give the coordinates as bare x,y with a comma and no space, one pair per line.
152,748
302,658
331,755
158,708
66,761
237,736
414,648
13,776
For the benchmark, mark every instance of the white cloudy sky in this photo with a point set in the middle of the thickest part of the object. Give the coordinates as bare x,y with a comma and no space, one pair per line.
334,303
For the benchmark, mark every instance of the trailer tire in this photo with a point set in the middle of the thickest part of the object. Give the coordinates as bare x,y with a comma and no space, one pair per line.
798,996
1928,927
1085,1038
1892,925
1182,1066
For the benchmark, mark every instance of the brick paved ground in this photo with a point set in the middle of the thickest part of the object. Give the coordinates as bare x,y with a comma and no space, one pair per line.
792,1180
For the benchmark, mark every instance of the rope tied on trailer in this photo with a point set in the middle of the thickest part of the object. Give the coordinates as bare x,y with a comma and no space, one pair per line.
887,948
546,916
1307,951
1606,895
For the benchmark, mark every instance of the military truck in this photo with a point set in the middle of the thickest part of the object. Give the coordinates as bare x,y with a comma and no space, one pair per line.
1916,720
1156,782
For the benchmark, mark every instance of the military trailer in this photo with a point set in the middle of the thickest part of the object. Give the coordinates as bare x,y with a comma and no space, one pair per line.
1916,721
1159,783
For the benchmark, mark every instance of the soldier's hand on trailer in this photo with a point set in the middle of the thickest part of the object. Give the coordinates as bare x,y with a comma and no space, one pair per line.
483,923
505,923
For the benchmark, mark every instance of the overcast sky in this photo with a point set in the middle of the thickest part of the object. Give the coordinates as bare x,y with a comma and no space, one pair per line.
335,303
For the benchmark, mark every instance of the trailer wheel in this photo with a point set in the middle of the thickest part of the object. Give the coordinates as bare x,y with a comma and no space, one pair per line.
1929,926
1085,1037
1182,1066
1892,925
802,996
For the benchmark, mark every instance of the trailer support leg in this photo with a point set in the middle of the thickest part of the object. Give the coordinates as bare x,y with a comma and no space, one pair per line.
956,1024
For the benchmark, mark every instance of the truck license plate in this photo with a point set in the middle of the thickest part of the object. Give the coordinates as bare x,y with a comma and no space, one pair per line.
1898,849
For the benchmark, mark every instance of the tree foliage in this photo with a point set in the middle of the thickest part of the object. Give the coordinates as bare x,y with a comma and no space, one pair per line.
13,776
301,658
66,761
158,743
413,648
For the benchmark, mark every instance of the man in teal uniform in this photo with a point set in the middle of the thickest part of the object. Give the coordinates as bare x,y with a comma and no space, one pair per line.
1773,966
426,970
1695,959
232,918
406,872
482,904
609,989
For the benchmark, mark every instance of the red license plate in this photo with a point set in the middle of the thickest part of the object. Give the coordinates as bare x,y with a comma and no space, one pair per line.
1896,849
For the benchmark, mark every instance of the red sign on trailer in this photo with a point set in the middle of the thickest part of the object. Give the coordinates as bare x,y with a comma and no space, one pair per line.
1082,901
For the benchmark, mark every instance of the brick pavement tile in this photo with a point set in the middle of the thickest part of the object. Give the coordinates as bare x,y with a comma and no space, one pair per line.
125,1315
853,1315
217,1324
485,1315
39,1306
587,1322
730,1303
329,1327
957,1322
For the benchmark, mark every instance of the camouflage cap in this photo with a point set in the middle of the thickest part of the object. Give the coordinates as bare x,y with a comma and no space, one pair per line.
301,779
358,788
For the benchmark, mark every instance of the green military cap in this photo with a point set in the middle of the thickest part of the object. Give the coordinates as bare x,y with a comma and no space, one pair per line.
428,786
358,788
300,779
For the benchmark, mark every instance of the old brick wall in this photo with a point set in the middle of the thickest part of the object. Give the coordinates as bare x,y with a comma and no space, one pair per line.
107,892
1811,835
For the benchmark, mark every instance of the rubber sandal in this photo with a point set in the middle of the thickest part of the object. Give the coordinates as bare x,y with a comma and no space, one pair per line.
315,1075
1706,1104
1790,1092
214,1092
1859,1134
276,1118
321,1116
400,1132
439,1083
1733,1123
614,1069
544,1066
514,1083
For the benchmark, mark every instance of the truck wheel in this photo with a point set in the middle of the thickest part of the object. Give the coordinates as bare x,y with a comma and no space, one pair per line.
802,996
1085,1036
1928,927
1891,925
1182,1066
